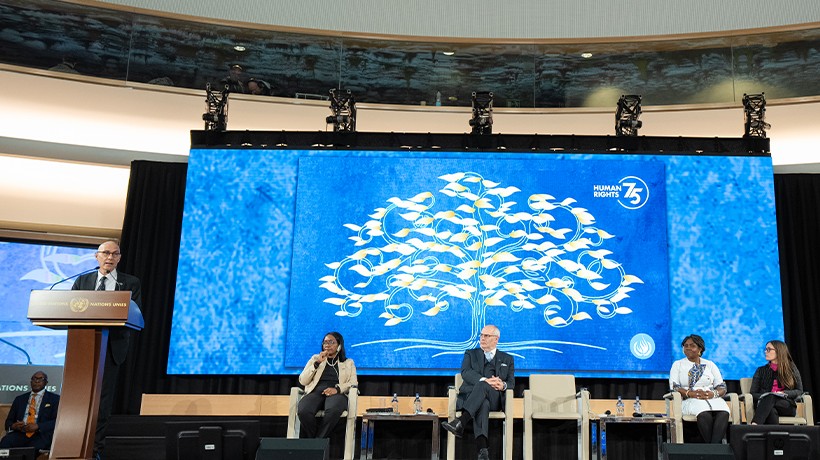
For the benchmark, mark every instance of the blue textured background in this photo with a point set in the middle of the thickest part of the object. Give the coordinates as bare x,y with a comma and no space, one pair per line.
232,300
28,266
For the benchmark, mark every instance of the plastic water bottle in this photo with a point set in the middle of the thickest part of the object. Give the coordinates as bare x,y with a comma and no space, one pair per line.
395,403
619,407
417,405
438,98
637,405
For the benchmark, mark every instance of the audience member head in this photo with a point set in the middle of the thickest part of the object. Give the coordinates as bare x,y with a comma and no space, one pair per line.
163,81
259,87
235,72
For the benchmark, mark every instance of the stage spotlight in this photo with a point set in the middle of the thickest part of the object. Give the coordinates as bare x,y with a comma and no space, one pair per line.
343,107
216,118
626,117
754,115
482,121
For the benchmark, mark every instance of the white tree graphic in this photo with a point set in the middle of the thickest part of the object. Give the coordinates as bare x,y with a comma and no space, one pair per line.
481,254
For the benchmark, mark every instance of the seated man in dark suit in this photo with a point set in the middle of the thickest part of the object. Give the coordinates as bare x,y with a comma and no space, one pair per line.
32,417
487,373
107,278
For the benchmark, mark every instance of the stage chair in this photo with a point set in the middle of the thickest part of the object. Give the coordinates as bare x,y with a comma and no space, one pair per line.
296,394
673,410
506,415
805,409
553,397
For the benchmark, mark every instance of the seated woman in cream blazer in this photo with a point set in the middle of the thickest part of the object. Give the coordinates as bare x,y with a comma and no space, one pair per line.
327,378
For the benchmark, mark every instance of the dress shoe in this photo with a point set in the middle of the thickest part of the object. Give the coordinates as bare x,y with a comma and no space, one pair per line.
455,427
483,454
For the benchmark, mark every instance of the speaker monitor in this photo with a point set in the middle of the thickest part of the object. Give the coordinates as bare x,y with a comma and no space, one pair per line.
292,449
673,451
786,442
19,453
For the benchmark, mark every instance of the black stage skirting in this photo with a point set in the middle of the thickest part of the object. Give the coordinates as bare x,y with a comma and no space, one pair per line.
132,437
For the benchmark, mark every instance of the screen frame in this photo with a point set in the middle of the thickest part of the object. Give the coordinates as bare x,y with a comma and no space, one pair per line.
249,429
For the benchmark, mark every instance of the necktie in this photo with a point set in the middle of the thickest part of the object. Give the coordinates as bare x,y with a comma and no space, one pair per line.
101,287
31,418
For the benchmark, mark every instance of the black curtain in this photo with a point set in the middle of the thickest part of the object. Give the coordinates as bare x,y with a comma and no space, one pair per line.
797,197
150,245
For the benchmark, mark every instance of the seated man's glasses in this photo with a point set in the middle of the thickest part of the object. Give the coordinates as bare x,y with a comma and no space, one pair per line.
107,254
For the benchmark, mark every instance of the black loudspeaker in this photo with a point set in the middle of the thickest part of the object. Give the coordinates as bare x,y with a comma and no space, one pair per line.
19,453
697,451
786,442
292,449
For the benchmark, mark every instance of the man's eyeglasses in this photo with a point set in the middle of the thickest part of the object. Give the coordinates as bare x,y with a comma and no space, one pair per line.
38,379
488,336
107,254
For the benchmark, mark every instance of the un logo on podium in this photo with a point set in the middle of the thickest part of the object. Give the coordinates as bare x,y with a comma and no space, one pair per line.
79,304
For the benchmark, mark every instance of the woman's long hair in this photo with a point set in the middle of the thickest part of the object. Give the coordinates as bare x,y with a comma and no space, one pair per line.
341,341
785,365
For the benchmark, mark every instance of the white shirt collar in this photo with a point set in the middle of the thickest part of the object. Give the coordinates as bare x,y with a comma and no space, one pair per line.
111,276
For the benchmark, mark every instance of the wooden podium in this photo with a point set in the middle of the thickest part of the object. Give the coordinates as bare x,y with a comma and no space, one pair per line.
87,315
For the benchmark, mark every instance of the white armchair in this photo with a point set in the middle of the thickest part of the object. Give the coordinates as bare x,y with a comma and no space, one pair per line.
506,415
296,394
805,409
553,397
674,411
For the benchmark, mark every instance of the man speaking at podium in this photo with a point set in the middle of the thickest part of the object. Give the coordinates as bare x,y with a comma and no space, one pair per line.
107,278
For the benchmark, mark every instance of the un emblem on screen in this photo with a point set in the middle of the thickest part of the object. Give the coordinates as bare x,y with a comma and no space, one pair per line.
642,346
635,192
78,304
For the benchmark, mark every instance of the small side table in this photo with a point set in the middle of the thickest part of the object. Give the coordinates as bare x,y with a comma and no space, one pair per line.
598,438
369,425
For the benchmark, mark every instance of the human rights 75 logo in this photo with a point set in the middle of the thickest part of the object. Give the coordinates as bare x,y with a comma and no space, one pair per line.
634,192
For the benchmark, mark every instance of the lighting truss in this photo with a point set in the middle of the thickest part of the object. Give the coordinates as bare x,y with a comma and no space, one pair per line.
343,107
626,117
754,115
216,118
482,121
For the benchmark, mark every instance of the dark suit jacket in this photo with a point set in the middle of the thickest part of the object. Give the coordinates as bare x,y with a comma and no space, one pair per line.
118,337
46,418
473,369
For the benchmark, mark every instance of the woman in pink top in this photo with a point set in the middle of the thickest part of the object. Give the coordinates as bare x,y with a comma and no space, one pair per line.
776,385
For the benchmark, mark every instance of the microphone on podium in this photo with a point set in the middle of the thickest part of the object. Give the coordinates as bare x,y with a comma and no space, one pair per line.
73,276
116,281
